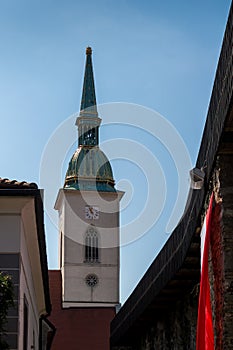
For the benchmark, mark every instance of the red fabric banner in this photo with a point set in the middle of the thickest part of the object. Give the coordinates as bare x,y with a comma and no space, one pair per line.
205,332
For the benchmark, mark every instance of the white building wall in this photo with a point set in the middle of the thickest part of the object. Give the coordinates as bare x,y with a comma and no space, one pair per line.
9,233
27,291
73,225
20,256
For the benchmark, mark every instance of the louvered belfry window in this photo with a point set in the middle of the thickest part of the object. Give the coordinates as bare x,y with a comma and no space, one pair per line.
91,245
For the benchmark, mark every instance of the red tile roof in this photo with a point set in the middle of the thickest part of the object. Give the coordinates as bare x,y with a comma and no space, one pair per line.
9,184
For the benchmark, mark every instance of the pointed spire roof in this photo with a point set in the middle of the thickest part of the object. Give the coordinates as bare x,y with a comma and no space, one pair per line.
89,168
88,102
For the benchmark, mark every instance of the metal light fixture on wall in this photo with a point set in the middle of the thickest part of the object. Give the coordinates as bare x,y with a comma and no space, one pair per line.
197,178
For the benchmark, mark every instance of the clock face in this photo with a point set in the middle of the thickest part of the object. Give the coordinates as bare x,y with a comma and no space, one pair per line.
91,212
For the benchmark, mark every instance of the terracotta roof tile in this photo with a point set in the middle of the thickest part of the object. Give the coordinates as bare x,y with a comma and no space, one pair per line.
9,184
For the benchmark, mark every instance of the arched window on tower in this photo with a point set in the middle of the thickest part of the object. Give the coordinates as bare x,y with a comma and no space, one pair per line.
91,245
89,137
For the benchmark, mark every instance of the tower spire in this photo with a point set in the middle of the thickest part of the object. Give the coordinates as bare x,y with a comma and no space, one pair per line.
88,102
89,169
88,121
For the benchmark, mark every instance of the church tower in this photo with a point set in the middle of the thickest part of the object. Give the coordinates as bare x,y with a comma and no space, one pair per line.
88,207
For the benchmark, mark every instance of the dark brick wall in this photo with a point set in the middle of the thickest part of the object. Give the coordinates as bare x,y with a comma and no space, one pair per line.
172,330
216,270
225,163
176,329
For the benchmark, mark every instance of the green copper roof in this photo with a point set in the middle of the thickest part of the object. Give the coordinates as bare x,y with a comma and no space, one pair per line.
89,168
88,101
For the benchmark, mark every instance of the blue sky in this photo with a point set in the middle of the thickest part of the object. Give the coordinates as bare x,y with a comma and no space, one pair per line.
161,55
